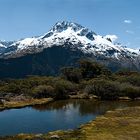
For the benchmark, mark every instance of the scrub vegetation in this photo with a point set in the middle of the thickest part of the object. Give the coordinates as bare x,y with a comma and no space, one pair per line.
88,80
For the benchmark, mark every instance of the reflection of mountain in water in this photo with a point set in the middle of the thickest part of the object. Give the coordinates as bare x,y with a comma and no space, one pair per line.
86,106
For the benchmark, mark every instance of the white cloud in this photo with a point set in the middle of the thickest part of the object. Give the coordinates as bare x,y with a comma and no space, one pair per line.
112,37
129,32
127,21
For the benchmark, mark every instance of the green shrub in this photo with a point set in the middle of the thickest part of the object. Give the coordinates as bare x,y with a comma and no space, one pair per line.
126,72
92,69
90,78
11,88
72,74
105,89
133,79
63,89
131,91
43,91
89,89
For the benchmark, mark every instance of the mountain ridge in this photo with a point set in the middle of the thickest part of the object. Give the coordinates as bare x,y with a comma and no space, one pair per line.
63,45
74,33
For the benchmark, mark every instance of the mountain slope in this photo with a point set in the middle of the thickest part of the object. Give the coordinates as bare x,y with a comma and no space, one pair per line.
68,32
62,46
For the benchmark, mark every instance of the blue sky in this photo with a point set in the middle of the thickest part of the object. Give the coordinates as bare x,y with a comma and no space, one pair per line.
27,18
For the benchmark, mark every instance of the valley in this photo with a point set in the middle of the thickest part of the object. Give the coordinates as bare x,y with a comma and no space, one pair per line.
86,91
69,70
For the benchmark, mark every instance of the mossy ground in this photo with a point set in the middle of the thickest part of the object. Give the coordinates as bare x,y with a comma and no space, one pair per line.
123,124
28,102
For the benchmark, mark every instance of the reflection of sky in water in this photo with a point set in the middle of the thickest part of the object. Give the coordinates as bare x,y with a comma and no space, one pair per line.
57,115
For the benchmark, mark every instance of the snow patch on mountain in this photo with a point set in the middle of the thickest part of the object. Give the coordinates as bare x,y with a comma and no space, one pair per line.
77,35
111,38
25,43
2,45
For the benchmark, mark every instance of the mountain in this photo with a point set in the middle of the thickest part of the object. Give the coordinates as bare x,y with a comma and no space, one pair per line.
62,46
5,46
75,34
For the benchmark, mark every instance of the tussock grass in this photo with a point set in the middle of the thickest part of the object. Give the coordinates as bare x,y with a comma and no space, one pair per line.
28,102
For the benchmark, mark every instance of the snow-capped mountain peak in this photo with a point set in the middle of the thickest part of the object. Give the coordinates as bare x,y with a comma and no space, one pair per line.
64,25
78,36
66,28
2,44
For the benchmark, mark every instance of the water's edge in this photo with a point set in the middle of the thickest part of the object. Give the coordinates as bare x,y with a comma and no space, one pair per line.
64,115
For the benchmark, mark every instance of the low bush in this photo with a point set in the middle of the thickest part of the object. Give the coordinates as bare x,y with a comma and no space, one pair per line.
90,77
63,88
131,91
105,89
43,91
72,74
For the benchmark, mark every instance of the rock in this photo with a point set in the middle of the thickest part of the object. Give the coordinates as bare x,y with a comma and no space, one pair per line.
2,101
137,98
94,97
19,98
124,98
54,137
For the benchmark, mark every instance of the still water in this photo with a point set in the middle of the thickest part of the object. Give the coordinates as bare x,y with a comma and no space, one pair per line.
66,114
